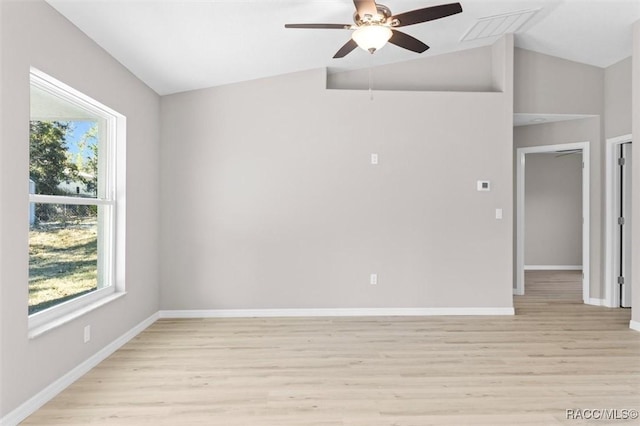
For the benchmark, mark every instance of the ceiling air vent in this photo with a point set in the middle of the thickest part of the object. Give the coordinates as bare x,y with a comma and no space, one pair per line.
492,26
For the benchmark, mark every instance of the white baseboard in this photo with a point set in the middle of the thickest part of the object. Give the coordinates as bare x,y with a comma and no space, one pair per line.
45,395
553,267
596,302
332,312
634,325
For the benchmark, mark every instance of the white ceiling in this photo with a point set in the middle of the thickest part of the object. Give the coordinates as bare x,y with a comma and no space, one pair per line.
176,46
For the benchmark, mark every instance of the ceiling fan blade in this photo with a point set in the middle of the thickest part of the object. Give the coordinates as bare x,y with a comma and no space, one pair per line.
320,26
426,14
366,7
407,42
346,49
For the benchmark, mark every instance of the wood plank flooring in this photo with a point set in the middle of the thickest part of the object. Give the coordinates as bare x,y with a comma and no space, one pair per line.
555,354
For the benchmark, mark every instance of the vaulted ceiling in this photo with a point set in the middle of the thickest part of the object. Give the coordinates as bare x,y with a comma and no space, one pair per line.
176,46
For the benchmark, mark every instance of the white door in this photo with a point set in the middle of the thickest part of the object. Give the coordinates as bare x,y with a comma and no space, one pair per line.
625,226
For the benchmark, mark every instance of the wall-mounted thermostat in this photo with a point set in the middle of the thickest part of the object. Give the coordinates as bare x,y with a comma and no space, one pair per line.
484,185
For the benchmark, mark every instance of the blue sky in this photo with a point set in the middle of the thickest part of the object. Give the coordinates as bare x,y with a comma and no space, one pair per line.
75,134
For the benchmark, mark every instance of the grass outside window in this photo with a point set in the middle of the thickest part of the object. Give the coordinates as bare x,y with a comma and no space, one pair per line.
63,258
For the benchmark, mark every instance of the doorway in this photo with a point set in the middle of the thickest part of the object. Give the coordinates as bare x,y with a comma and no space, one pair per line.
618,186
582,148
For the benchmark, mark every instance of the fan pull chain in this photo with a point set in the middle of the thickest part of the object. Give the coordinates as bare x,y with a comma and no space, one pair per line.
371,78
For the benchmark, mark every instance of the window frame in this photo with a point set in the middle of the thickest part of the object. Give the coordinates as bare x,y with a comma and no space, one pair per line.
111,202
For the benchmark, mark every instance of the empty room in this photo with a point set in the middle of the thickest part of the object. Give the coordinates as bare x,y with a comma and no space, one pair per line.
319,213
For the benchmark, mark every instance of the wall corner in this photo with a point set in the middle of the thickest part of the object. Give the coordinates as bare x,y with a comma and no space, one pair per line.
502,61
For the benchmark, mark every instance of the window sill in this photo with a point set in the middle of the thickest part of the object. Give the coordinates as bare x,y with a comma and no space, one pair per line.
64,319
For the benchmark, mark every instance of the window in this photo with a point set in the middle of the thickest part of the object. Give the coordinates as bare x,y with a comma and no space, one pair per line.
74,196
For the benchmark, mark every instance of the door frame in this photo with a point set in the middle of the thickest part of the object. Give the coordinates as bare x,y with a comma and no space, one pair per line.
520,213
611,288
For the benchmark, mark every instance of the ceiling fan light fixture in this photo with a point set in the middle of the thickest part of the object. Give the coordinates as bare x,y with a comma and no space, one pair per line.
375,25
372,37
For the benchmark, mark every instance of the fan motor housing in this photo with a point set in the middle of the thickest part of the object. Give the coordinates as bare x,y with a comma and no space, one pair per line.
383,15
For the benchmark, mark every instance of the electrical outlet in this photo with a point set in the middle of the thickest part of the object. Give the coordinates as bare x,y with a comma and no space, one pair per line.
373,279
87,333
374,159
483,185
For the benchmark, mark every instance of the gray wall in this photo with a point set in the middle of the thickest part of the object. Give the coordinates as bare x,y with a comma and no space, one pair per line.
2,237
467,70
553,205
269,200
635,253
617,99
550,85
32,33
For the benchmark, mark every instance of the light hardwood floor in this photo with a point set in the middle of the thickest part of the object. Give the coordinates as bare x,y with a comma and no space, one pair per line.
555,354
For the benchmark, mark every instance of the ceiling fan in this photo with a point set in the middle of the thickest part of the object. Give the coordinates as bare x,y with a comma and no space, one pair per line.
375,26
